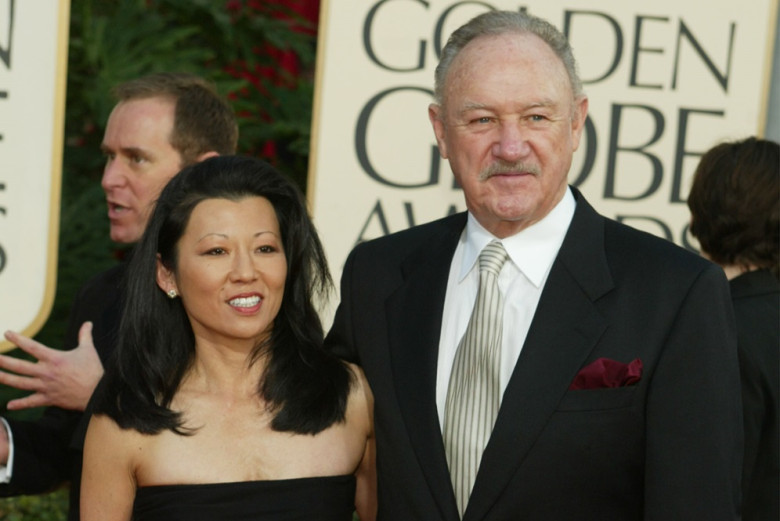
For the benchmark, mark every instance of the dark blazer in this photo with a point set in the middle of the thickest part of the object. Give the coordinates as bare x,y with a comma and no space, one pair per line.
667,448
756,298
48,451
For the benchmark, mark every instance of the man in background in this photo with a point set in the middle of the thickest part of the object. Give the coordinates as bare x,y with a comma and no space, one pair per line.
160,124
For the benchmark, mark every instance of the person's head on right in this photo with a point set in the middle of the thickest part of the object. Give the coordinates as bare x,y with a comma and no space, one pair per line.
735,205
160,124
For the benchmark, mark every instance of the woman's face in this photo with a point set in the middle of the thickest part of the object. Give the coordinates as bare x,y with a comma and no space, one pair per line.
231,270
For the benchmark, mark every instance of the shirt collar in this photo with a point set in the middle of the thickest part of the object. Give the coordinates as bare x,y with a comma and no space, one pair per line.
532,250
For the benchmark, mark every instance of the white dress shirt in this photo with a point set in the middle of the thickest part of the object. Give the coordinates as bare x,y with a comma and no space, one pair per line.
5,470
532,253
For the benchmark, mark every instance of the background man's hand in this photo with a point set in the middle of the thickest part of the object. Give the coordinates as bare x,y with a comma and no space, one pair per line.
61,378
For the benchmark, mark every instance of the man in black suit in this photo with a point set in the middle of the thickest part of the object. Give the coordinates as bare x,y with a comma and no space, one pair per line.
160,124
735,215
618,373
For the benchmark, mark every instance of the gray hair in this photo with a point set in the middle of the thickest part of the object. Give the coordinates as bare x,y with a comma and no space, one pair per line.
494,23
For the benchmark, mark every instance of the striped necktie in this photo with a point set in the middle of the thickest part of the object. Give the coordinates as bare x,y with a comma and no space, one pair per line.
474,392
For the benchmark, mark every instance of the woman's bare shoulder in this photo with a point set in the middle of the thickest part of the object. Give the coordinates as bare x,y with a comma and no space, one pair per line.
361,400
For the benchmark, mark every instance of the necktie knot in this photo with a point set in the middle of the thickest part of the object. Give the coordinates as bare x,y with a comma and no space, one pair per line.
492,258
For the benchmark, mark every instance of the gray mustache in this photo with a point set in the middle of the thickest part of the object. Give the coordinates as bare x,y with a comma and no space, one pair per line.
504,167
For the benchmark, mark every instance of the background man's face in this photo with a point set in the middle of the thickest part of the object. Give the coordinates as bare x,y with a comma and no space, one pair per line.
139,162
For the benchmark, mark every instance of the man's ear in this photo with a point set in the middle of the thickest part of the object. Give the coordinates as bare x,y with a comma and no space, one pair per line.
578,120
434,114
206,155
165,279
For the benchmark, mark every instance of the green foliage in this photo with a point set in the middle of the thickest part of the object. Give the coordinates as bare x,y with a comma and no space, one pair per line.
237,45
237,48
49,507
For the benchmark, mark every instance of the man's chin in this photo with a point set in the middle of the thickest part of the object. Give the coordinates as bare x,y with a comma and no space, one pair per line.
121,235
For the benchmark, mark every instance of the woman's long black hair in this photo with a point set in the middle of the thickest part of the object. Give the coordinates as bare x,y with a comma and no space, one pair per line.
307,387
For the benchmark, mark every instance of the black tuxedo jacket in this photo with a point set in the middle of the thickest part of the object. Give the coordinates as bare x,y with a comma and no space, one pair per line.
48,451
756,298
665,449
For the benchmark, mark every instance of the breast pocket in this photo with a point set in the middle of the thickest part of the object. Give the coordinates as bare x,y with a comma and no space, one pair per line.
598,399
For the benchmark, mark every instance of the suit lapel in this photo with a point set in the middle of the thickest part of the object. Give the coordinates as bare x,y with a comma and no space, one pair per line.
565,328
414,314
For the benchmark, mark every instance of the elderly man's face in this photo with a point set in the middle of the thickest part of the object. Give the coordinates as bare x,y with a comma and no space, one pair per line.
509,125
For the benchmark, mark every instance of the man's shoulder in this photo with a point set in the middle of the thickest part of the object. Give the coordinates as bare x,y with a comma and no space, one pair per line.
625,245
112,276
412,244
103,285
418,235
643,260
628,241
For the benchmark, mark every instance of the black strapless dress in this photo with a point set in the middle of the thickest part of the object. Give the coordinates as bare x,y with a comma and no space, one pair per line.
330,498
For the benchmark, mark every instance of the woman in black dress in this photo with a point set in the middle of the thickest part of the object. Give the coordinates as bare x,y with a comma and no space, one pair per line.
222,403
735,215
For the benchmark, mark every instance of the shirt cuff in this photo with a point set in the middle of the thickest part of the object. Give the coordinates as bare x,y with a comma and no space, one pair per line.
7,469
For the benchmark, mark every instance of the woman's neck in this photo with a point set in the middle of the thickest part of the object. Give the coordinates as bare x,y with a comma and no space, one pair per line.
733,270
224,371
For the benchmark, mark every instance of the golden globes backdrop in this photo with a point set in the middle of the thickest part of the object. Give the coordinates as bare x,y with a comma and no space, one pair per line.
33,68
666,80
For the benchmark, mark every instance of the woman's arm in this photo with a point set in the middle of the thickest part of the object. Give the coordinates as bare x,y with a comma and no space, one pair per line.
108,479
365,493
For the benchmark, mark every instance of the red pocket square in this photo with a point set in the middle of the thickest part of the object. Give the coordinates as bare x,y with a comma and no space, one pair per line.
606,373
